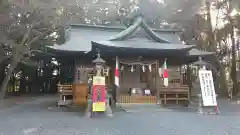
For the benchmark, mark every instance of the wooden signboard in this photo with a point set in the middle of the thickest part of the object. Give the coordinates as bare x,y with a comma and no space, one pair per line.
207,88
98,80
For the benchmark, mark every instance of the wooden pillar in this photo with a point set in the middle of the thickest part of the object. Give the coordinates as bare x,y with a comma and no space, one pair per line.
113,87
158,100
109,78
116,91
189,80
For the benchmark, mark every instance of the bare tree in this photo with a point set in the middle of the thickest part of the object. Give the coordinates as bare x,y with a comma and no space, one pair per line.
29,22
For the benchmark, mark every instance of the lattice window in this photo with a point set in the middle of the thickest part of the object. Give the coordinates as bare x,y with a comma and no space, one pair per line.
78,75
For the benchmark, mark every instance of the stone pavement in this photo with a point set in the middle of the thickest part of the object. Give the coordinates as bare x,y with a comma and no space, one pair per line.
15,100
225,106
42,117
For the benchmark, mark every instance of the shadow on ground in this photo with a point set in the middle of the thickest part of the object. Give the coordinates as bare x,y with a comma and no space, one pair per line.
52,107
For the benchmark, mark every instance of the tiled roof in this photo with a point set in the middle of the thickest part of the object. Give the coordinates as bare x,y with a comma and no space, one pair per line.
137,36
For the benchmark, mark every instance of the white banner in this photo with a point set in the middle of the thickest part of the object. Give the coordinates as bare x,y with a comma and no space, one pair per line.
207,88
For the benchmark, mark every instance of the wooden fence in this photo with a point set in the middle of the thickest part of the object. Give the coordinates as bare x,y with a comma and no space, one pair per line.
137,99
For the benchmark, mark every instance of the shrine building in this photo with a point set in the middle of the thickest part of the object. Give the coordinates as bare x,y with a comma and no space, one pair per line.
140,53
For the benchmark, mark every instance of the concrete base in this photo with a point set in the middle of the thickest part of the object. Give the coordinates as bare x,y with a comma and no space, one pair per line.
64,102
197,105
108,111
158,102
89,113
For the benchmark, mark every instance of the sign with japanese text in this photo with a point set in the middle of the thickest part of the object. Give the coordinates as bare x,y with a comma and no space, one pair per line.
98,94
98,80
207,88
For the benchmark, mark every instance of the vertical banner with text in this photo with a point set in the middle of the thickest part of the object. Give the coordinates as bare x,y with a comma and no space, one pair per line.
98,94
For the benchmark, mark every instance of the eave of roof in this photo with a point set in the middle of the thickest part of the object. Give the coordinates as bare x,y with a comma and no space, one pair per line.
196,52
143,45
70,49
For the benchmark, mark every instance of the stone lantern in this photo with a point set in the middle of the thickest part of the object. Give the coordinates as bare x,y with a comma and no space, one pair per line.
99,63
200,64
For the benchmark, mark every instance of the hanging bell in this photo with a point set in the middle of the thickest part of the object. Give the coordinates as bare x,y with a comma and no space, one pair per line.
143,68
150,68
132,70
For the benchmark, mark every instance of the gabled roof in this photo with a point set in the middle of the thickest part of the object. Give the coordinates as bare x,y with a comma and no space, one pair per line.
137,36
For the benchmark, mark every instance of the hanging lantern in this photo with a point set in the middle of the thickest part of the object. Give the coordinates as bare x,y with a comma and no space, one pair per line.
122,68
132,70
150,68
143,68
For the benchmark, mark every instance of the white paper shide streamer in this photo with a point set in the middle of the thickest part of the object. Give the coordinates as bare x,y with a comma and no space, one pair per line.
143,68
150,68
142,65
122,68
132,69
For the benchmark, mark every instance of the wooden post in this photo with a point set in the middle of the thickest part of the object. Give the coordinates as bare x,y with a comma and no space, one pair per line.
189,81
158,100
117,86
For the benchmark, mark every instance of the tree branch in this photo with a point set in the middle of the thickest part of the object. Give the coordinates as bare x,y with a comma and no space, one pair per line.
38,51
26,36
4,40
39,36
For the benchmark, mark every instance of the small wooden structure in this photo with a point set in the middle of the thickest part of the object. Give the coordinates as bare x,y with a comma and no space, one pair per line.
65,94
80,94
137,47
176,94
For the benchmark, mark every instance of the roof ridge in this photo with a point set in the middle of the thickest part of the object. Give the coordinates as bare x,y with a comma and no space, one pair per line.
97,26
121,27
127,32
152,34
139,22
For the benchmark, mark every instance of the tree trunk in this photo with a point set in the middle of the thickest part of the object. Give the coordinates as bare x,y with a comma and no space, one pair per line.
1,60
15,59
234,72
233,68
4,85
2,73
221,78
233,61
22,88
213,47
210,38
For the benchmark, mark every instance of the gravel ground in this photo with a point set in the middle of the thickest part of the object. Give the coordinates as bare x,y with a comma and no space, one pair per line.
42,117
